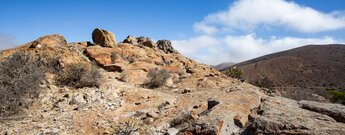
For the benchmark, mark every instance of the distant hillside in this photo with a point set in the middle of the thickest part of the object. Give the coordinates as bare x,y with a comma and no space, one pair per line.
312,68
222,66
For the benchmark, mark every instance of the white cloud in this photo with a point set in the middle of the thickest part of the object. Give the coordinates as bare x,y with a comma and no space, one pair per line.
211,50
248,15
249,46
201,27
230,35
6,42
193,46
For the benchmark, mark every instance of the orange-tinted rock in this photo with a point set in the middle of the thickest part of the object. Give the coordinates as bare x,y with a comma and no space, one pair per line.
99,54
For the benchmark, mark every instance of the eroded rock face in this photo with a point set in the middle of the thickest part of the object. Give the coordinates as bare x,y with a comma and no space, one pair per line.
103,38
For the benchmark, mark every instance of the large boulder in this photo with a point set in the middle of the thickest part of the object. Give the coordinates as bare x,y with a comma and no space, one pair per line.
165,45
49,41
103,38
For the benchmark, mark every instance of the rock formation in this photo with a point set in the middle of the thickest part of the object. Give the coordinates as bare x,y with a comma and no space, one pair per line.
49,41
194,99
131,40
165,45
103,38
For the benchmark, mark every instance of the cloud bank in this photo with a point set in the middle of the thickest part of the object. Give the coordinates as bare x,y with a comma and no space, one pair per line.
251,14
230,35
212,50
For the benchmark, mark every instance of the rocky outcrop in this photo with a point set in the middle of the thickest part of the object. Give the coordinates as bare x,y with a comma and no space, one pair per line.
103,38
277,115
145,41
131,40
336,111
216,112
165,45
49,41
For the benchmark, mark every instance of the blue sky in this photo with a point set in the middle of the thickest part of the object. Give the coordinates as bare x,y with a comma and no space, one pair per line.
209,31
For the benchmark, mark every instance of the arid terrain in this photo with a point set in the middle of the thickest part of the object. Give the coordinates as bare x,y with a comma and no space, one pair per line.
137,86
299,73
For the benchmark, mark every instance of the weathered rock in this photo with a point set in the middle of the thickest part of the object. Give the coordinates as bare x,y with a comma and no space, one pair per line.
82,44
166,46
169,82
131,40
278,115
52,131
336,111
99,54
78,99
49,41
149,120
172,131
150,44
145,41
142,39
103,38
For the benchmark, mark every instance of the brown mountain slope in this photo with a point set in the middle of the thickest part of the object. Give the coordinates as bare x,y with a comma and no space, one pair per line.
313,68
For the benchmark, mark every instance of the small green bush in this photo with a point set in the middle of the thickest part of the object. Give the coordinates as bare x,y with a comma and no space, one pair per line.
78,75
157,78
20,77
337,96
234,73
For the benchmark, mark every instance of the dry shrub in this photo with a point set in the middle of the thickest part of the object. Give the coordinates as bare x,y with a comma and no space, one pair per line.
129,126
20,77
78,75
157,78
